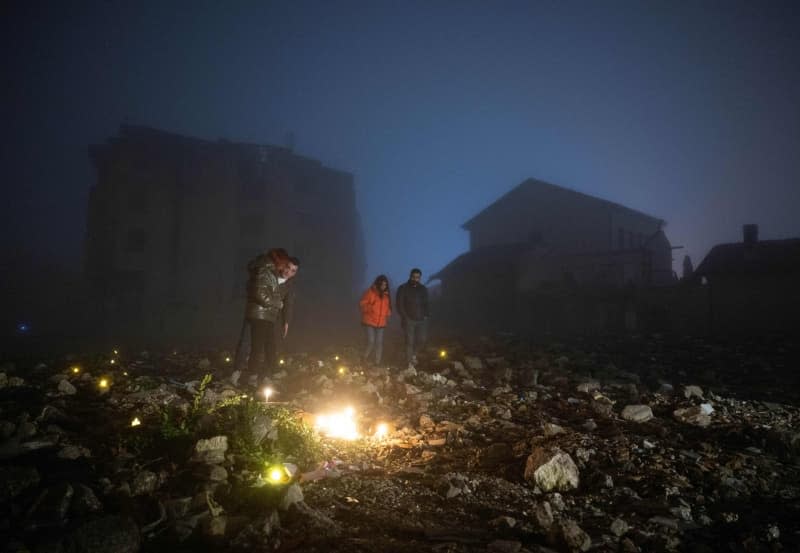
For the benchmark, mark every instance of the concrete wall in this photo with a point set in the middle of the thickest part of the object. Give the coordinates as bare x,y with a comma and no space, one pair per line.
173,222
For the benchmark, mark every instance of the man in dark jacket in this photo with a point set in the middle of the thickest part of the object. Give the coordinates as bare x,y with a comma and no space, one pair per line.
412,305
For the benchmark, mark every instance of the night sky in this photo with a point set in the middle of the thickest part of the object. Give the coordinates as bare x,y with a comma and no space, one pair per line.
687,111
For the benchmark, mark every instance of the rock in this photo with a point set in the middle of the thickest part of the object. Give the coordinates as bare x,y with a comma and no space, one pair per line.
7,429
66,388
293,495
574,537
211,451
551,429
473,363
589,425
15,480
544,515
619,527
144,483
203,364
692,391
588,387
552,470
111,534
84,502
215,527
73,452
15,381
503,522
637,413
692,415
426,423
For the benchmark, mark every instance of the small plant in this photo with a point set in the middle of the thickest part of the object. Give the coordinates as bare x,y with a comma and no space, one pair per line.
295,441
176,423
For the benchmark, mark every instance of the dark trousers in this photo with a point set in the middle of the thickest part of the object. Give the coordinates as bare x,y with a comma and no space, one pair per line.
263,350
416,333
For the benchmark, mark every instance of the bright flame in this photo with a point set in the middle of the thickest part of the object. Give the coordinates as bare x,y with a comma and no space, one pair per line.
268,393
113,361
342,370
227,359
76,370
281,361
136,421
336,358
442,354
338,425
125,373
381,430
116,352
103,383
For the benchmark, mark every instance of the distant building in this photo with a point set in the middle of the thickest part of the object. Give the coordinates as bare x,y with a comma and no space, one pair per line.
173,221
540,235
753,284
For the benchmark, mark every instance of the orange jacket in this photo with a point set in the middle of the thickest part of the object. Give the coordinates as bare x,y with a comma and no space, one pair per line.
375,308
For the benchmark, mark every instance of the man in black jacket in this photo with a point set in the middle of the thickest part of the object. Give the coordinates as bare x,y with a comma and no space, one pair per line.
412,304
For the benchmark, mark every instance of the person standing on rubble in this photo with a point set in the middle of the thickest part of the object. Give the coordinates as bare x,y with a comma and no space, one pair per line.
376,306
412,304
264,305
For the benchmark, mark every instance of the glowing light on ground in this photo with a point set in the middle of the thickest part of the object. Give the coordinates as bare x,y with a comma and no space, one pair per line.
338,425
76,370
103,383
442,354
227,359
136,421
381,431
268,393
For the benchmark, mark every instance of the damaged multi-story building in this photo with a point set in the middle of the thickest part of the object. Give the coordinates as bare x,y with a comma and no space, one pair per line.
173,221
533,247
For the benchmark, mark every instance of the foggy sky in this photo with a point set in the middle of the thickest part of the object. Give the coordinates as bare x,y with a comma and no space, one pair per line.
687,111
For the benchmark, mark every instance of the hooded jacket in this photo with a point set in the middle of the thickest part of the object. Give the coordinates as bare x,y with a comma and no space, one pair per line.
375,307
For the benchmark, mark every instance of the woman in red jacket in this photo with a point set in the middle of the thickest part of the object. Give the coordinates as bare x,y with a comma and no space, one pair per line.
376,306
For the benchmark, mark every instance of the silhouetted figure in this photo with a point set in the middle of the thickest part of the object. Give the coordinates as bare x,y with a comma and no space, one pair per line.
376,306
264,304
688,268
412,304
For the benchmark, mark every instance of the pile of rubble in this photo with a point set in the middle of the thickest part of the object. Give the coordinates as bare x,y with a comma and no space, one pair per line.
642,445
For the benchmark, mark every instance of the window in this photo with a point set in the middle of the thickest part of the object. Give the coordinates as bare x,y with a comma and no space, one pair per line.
136,241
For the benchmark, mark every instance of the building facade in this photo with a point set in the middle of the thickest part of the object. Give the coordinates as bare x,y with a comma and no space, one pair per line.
173,221
539,237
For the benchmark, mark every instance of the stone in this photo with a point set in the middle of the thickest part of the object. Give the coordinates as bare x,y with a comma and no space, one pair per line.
588,387
544,515
211,451
84,501
619,527
111,534
637,413
144,483
551,429
73,452
261,427
293,495
574,537
692,391
66,388
495,454
215,527
692,415
178,508
473,363
552,470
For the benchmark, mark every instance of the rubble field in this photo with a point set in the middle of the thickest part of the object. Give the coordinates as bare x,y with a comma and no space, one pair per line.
644,444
